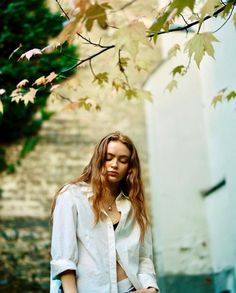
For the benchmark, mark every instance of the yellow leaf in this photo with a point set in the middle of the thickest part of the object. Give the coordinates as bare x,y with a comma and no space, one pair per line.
130,37
1,107
40,80
208,8
171,85
235,20
200,44
22,83
217,99
146,95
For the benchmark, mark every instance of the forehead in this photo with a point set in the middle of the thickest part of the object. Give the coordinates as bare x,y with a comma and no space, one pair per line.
118,148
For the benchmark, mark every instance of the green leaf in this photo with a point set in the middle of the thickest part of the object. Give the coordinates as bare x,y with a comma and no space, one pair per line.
131,93
180,69
171,85
231,96
101,78
200,44
158,25
146,95
227,9
180,5
123,62
29,145
218,98
174,50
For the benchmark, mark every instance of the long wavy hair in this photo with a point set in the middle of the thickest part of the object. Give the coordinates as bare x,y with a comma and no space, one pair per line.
132,185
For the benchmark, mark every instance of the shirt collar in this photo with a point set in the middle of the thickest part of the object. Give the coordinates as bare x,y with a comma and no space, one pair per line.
86,188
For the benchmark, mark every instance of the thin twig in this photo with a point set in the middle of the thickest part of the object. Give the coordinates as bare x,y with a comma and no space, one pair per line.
91,68
122,70
231,12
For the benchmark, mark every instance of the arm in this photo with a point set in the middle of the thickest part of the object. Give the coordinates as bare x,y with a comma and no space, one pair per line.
147,275
64,246
68,282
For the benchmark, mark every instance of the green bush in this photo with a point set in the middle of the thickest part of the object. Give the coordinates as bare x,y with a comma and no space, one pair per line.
31,24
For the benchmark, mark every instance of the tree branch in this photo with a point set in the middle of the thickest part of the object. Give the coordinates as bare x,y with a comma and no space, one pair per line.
186,27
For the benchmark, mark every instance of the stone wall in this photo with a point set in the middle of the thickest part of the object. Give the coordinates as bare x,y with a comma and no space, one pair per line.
66,144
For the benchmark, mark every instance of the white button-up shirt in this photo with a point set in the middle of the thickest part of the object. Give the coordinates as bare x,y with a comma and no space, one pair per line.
92,249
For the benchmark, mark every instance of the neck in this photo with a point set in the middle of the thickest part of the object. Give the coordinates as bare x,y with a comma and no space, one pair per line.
114,189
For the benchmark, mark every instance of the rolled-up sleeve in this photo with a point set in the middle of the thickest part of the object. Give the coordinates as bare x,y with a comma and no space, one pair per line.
64,246
147,275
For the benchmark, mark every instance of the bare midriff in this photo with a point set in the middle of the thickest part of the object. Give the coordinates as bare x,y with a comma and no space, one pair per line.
121,275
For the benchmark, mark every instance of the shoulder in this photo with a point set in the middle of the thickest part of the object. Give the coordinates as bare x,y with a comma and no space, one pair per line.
74,192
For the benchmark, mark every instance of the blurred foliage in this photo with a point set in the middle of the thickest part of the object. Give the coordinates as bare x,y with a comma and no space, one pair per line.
25,25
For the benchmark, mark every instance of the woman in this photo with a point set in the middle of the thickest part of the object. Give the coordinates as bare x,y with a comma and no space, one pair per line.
101,238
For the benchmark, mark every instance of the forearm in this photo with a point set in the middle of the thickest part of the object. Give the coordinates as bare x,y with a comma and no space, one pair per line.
68,280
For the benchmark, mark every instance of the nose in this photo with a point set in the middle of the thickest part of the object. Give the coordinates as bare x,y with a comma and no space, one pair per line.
114,163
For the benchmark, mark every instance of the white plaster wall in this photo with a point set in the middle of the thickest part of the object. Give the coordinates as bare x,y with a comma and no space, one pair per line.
221,134
179,169
192,146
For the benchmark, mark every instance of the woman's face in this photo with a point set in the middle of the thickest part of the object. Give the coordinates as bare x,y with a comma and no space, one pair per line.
117,161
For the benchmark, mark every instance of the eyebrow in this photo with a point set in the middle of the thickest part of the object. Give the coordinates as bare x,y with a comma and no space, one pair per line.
122,156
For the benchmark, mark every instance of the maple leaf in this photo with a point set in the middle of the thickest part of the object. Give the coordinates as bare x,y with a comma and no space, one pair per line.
51,77
131,93
40,80
200,44
1,107
16,95
30,53
101,78
180,69
96,12
171,85
29,97
22,83
231,96
218,98
131,36
180,5
174,50
55,86
2,91
146,95
118,83
208,8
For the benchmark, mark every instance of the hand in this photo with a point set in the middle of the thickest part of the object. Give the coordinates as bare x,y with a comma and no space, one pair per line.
150,290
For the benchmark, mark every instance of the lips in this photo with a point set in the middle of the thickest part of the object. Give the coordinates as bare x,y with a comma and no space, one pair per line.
112,173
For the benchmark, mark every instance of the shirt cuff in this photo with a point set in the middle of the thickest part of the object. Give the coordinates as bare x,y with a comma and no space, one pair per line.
148,280
61,265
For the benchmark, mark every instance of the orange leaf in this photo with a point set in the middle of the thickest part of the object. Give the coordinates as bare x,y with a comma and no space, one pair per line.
29,97
16,95
2,91
30,53
54,87
51,76
22,83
